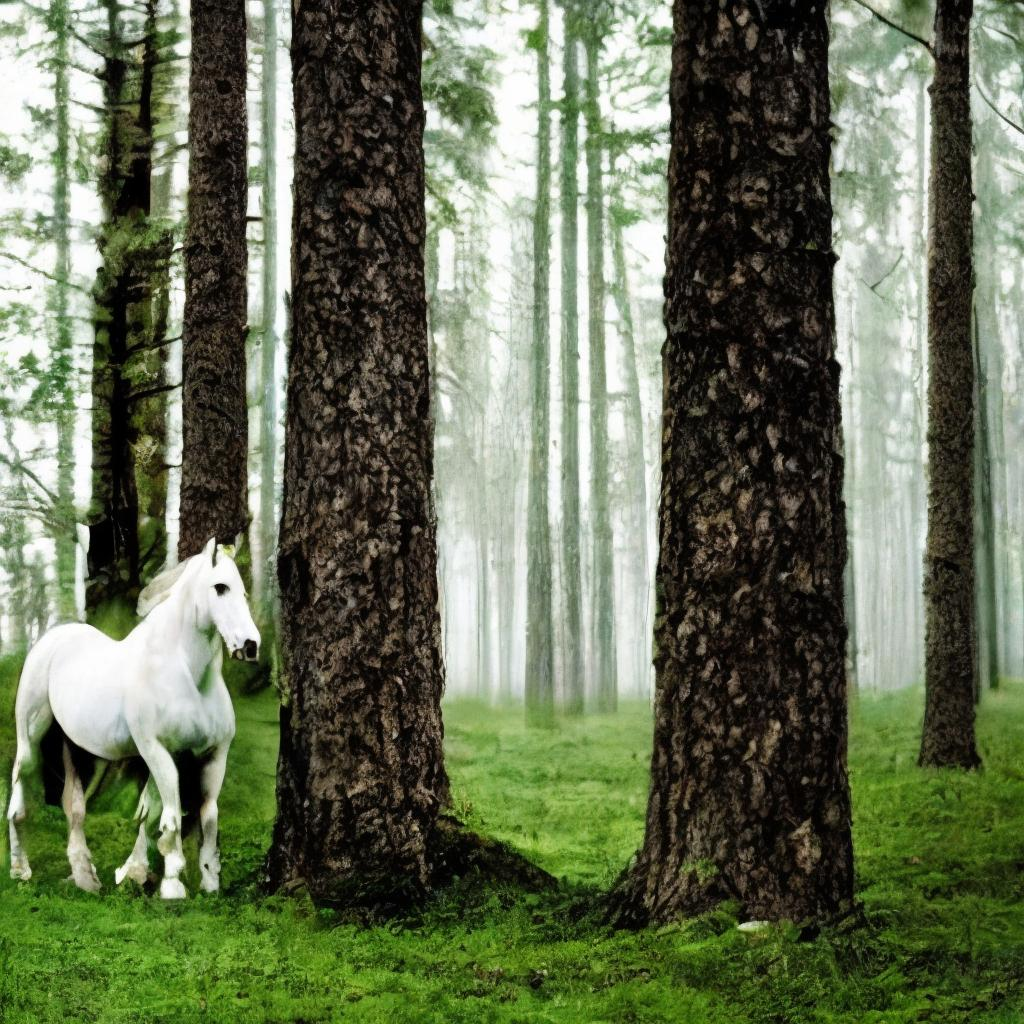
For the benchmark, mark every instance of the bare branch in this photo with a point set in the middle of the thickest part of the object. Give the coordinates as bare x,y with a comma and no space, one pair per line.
1002,117
895,27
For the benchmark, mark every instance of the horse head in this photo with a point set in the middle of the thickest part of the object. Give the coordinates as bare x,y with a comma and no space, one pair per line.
220,594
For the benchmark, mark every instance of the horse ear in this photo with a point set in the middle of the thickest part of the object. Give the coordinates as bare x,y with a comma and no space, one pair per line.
210,551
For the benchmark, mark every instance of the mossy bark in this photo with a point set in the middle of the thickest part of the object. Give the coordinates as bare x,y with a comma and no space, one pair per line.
951,642
214,472
749,796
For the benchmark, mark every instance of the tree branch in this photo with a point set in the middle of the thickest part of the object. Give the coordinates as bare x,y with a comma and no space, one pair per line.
895,27
43,273
1002,117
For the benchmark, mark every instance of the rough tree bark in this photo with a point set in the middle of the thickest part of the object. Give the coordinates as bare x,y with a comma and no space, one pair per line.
749,796
214,491
603,589
361,777
540,683
951,643
572,567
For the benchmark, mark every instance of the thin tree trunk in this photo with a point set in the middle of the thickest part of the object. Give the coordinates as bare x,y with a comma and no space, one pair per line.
113,574
603,590
540,684
63,349
951,642
636,462
361,777
214,486
749,797
266,578
572,568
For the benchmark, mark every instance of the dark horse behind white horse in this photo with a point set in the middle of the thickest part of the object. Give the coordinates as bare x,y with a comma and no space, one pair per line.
155,695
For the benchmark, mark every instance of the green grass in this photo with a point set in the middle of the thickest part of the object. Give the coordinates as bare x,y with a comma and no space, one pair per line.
940,874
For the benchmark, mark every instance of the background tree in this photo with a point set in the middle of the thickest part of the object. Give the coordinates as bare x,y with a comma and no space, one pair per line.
214,484
951,627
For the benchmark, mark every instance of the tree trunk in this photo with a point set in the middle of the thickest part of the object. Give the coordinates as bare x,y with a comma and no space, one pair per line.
603,590
572,569
214,456
540,683
265,577
63,348
636,464
951,642
749,796
122,288
361,777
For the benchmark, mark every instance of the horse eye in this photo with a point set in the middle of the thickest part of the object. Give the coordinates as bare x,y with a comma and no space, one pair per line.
221,588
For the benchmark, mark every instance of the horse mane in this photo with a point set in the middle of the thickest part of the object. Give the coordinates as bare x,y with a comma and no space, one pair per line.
159,588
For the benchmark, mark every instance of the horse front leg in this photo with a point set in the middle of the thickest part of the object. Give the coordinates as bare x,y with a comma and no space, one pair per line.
209,855
164,773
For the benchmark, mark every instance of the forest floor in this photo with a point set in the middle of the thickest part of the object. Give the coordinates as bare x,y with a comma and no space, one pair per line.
940,873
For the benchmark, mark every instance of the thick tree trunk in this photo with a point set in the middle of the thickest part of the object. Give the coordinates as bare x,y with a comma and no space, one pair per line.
603,590
749,795
361,777
573,661
214,490
540,683
951,642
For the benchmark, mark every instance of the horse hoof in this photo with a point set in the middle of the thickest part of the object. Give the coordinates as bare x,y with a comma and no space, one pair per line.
21,872
87,882
172,889
210,884
137,873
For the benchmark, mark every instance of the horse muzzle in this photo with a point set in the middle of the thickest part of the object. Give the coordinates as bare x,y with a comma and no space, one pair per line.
249,651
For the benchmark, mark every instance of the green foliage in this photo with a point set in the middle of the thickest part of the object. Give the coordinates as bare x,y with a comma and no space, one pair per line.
941,937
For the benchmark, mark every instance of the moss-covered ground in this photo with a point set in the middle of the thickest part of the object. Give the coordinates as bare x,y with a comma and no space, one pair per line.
940,869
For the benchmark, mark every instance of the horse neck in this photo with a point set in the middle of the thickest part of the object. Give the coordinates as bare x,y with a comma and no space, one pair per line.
175,621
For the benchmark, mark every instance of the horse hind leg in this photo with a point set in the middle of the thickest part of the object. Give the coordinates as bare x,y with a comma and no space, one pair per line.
136,867
33,718
82,871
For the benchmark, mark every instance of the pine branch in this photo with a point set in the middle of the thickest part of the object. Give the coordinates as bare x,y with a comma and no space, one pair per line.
43,273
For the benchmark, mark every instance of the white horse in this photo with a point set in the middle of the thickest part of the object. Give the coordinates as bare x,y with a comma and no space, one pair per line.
157,693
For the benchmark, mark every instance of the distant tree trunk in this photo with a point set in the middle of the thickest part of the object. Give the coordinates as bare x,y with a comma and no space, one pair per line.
122,285
749,797
147,366
989,450
636,462
361,777
951,642
603,590
572,568
214,467
266,578
63,348
540,683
